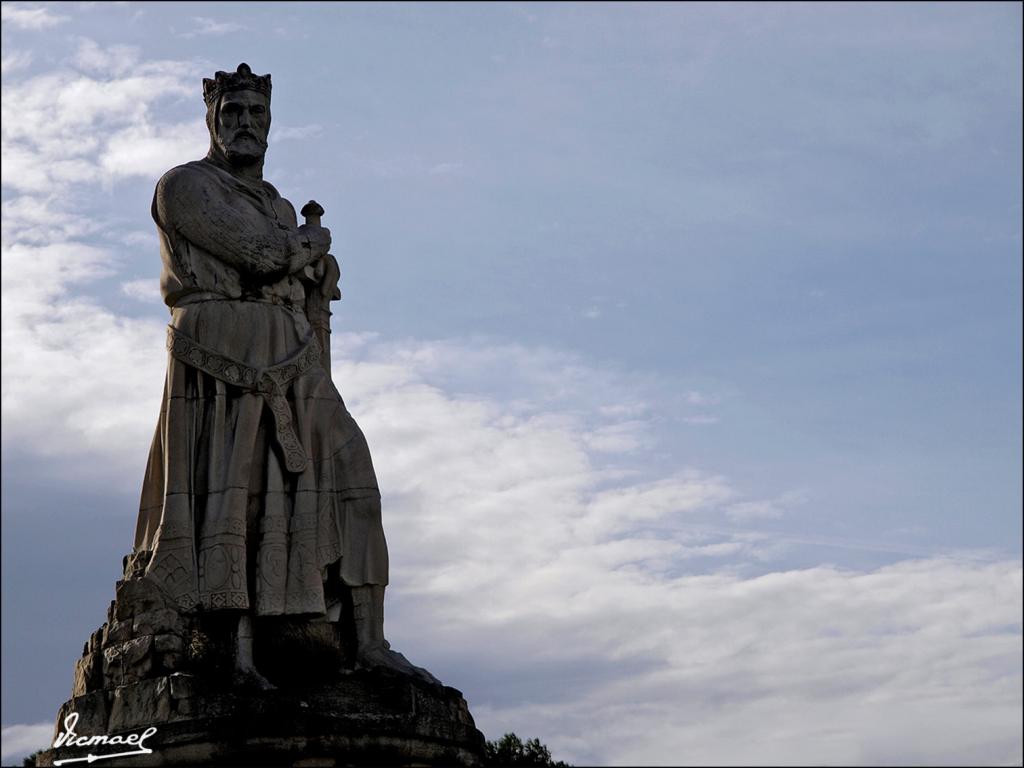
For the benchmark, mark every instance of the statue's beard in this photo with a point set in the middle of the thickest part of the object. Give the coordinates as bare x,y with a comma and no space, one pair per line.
241,152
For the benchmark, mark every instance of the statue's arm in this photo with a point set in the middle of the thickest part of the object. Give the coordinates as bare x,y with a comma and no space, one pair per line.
191,206
311,259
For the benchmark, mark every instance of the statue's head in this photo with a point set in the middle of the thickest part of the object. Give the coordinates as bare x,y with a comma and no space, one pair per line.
238,114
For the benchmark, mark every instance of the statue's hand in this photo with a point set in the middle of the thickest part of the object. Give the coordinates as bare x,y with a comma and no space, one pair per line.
312,243
322,278
319,237
327,275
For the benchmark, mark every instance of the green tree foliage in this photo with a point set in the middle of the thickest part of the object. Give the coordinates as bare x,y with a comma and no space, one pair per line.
510,750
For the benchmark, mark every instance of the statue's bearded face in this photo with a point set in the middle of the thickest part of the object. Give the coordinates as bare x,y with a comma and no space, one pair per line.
241,127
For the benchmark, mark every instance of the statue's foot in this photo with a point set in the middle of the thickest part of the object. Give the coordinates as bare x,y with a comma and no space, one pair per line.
382,656
250,678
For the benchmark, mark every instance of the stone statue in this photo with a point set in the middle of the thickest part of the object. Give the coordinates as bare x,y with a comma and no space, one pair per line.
260,496
260,519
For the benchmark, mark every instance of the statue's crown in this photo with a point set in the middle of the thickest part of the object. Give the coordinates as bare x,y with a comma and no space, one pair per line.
242,79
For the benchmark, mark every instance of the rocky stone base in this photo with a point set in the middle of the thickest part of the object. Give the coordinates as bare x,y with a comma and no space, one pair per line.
153,666
364,717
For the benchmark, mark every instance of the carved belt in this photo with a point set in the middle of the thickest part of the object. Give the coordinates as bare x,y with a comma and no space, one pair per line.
271,383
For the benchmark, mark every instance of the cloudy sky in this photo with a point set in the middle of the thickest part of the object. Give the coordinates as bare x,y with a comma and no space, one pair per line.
686,339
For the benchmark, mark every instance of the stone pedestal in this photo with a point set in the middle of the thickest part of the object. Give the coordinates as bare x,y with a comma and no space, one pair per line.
152,666
364,717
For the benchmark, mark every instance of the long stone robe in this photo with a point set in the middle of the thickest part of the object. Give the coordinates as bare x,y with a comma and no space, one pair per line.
222,522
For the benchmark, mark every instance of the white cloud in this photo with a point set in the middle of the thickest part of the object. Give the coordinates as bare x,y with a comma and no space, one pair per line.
19,741
206,26
15,60
917,663
64,128
700,398
40,219
88,5
141,240
703,400
146,290
58,353
700,419
624,409
766,508
149,150
620,437
621,509
298,132
29,18
115,60
748,510
34,276
447,169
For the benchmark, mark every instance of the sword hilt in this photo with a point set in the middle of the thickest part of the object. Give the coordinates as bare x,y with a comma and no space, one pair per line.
312,211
